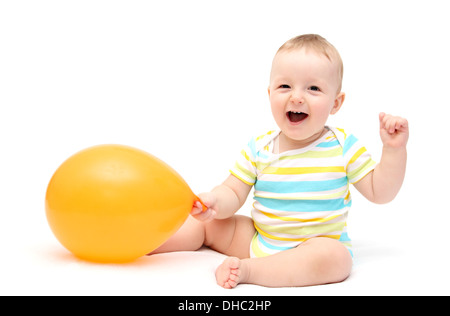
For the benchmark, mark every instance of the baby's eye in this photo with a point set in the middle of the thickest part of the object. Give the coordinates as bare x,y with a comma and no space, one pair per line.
314,88
285,86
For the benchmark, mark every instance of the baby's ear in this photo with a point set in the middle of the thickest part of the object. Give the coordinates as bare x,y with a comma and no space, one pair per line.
338,103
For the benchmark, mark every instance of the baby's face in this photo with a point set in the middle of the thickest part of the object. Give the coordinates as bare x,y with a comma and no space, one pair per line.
303,92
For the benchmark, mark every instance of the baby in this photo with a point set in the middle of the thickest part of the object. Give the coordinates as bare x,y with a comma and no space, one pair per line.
297,235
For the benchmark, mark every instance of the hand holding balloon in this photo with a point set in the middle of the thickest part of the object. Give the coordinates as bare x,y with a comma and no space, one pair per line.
205,208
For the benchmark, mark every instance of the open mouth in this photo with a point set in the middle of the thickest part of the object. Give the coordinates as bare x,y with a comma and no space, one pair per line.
296,117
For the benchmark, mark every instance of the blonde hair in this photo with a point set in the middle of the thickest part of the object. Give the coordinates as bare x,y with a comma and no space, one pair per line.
320,45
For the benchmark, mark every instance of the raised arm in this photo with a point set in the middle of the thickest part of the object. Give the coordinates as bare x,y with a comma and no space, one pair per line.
383,184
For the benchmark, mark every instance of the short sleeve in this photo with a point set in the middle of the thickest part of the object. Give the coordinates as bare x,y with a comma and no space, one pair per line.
245,166
358,160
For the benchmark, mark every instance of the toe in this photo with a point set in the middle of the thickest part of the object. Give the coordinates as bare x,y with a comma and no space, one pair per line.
234,278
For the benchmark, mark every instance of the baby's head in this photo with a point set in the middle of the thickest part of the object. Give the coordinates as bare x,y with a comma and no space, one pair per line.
319,45
305,87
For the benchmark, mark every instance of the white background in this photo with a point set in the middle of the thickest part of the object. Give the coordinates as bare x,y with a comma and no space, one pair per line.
187,81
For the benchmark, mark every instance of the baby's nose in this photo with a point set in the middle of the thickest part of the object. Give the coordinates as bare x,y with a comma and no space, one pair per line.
297,97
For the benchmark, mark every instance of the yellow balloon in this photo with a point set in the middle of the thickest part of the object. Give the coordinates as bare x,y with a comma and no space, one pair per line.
114,203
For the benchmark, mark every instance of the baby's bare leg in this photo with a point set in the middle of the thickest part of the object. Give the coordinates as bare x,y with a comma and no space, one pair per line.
316,261
231,236
189,237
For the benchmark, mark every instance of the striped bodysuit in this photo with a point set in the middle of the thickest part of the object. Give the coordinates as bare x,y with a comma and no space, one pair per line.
303,193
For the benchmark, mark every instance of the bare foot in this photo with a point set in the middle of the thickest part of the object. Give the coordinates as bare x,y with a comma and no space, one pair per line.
228,274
